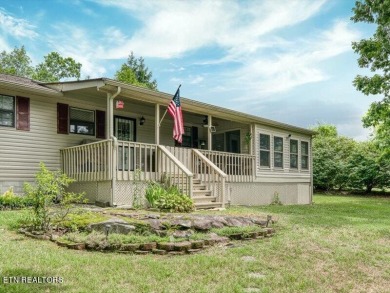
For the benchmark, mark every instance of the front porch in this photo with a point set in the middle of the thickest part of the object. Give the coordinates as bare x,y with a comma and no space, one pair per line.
121,168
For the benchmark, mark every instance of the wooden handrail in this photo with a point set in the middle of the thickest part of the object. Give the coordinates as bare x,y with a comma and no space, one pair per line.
175,160
175,170
210,174
209,163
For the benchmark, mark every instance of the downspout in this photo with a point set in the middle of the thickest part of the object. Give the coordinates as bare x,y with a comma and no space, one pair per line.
110,101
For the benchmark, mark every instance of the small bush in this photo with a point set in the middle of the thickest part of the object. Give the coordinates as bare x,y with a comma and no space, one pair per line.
168,198
78,221
276,200
153,193
50,188
9,200
172,202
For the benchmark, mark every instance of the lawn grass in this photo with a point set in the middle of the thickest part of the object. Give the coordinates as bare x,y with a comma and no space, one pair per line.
338,244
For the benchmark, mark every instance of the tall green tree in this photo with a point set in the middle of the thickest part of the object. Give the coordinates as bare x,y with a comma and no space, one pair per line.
53,68
134,71
367,168
375,54
331,154
16,62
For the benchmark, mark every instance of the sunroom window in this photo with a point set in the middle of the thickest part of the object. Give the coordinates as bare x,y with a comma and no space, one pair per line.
7,111
293,154
82,121
304,155
278,152
264,150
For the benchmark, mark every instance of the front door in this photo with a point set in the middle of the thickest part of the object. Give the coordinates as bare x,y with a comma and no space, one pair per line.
124,128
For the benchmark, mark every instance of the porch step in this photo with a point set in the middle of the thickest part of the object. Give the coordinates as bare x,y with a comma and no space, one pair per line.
199,187
196,193
204,199
208,205
196,181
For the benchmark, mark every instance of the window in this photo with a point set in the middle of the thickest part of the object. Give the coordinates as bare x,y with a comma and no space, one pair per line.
293,154
278,152
304,155
82,121
264,150
7,111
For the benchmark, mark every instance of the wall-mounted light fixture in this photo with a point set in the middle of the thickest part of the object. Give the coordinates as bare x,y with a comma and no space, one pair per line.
142,121
289,136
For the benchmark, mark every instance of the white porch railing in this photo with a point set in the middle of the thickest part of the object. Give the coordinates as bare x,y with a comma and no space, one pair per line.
175,171
238,167
89,162
210,175
136,161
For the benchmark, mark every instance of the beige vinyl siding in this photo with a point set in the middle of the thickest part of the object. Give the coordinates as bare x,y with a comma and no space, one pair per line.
276,174
22,151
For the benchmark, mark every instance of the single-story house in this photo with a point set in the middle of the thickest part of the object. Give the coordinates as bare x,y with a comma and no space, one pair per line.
107,135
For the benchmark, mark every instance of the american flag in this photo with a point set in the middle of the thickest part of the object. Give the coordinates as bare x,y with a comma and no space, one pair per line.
174,109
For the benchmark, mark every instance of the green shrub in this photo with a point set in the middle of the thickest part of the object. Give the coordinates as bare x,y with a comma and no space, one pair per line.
168,198
173,202
9,200
49,188
154,192
78,221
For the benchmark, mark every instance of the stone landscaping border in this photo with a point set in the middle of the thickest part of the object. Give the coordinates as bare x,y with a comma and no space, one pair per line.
159,248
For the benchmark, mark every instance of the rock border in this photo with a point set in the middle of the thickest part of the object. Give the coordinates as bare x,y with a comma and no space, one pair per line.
158,248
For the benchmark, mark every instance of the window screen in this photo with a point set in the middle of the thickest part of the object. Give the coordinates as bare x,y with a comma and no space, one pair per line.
82,121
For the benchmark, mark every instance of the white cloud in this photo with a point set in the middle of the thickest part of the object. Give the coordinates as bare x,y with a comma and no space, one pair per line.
299,64
197,79
172,28
73,41
16,27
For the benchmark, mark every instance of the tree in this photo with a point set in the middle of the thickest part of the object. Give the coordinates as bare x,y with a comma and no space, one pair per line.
53,68
375,55
16,62
134,71
367,168
331,158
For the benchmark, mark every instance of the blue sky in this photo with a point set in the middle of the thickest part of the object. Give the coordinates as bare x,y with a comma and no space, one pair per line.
289,61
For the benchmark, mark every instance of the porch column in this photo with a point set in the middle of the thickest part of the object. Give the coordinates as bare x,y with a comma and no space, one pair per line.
157,124
252,142
108,116
209,134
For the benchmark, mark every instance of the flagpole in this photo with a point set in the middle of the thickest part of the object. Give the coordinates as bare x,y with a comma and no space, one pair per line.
165,113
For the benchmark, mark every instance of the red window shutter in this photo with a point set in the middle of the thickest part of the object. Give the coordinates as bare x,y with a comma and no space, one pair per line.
23,113
100,124
62,118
